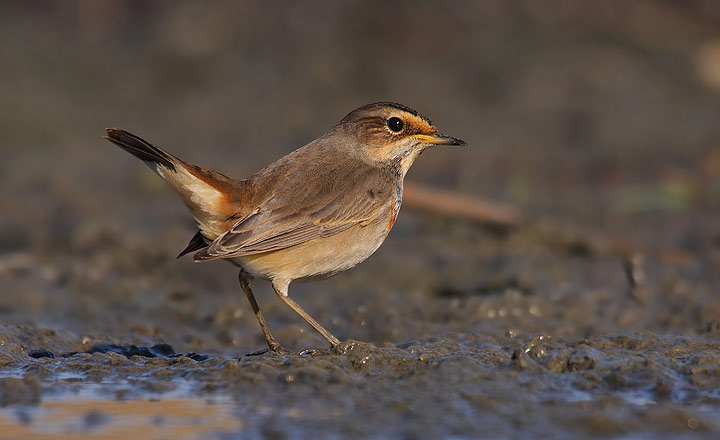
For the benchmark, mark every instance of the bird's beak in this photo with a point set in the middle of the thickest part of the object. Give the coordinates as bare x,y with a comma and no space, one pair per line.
439,139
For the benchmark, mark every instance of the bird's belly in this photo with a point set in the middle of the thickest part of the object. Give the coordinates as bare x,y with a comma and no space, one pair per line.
319,257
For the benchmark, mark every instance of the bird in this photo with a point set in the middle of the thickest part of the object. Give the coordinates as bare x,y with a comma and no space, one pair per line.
315,212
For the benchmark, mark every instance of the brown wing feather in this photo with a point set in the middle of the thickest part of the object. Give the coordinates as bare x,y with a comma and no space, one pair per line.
305,211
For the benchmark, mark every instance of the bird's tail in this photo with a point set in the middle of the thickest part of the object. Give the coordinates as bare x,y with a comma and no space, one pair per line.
143,150
210,196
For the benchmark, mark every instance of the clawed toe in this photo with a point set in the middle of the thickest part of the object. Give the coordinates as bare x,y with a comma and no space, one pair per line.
308,352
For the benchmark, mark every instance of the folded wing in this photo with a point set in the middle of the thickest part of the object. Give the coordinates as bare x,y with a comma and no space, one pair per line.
304,211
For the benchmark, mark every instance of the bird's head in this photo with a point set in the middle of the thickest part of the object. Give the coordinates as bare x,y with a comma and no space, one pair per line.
387,131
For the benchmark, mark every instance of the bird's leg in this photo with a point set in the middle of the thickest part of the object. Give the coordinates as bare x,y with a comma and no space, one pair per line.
245,280
281,289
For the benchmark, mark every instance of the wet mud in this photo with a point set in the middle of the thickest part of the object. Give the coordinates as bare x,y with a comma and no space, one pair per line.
461,385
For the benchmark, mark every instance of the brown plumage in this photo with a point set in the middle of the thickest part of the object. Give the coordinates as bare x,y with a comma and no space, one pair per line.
319,210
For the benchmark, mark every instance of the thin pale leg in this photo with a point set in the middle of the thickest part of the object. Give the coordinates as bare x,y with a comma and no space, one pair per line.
281,289
245,280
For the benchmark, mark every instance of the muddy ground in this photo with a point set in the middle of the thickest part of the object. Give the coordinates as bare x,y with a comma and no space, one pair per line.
598,122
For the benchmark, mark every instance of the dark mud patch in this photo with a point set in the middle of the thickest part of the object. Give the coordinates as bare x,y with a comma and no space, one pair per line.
463,385
157,350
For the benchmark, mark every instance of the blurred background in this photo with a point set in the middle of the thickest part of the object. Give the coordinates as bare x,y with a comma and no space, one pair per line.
599,116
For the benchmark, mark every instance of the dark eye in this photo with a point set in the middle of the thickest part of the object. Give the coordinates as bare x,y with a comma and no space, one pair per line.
395,124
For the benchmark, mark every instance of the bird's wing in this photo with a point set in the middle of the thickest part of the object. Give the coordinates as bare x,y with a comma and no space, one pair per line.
298,213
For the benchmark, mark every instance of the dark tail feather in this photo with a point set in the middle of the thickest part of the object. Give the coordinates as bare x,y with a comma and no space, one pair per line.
140,148
197,242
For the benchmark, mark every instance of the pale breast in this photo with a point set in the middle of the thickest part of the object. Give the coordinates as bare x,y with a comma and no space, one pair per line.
323,257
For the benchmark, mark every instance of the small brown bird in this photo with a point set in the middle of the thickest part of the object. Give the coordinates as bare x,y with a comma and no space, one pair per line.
318,211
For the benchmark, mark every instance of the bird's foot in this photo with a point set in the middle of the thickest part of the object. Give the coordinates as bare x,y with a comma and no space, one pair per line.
309,352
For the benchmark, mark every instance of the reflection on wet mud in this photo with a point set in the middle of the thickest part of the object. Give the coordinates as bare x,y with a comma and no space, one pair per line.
66,418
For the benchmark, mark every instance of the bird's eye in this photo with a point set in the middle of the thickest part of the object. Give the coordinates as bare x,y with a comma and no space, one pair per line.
395,124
